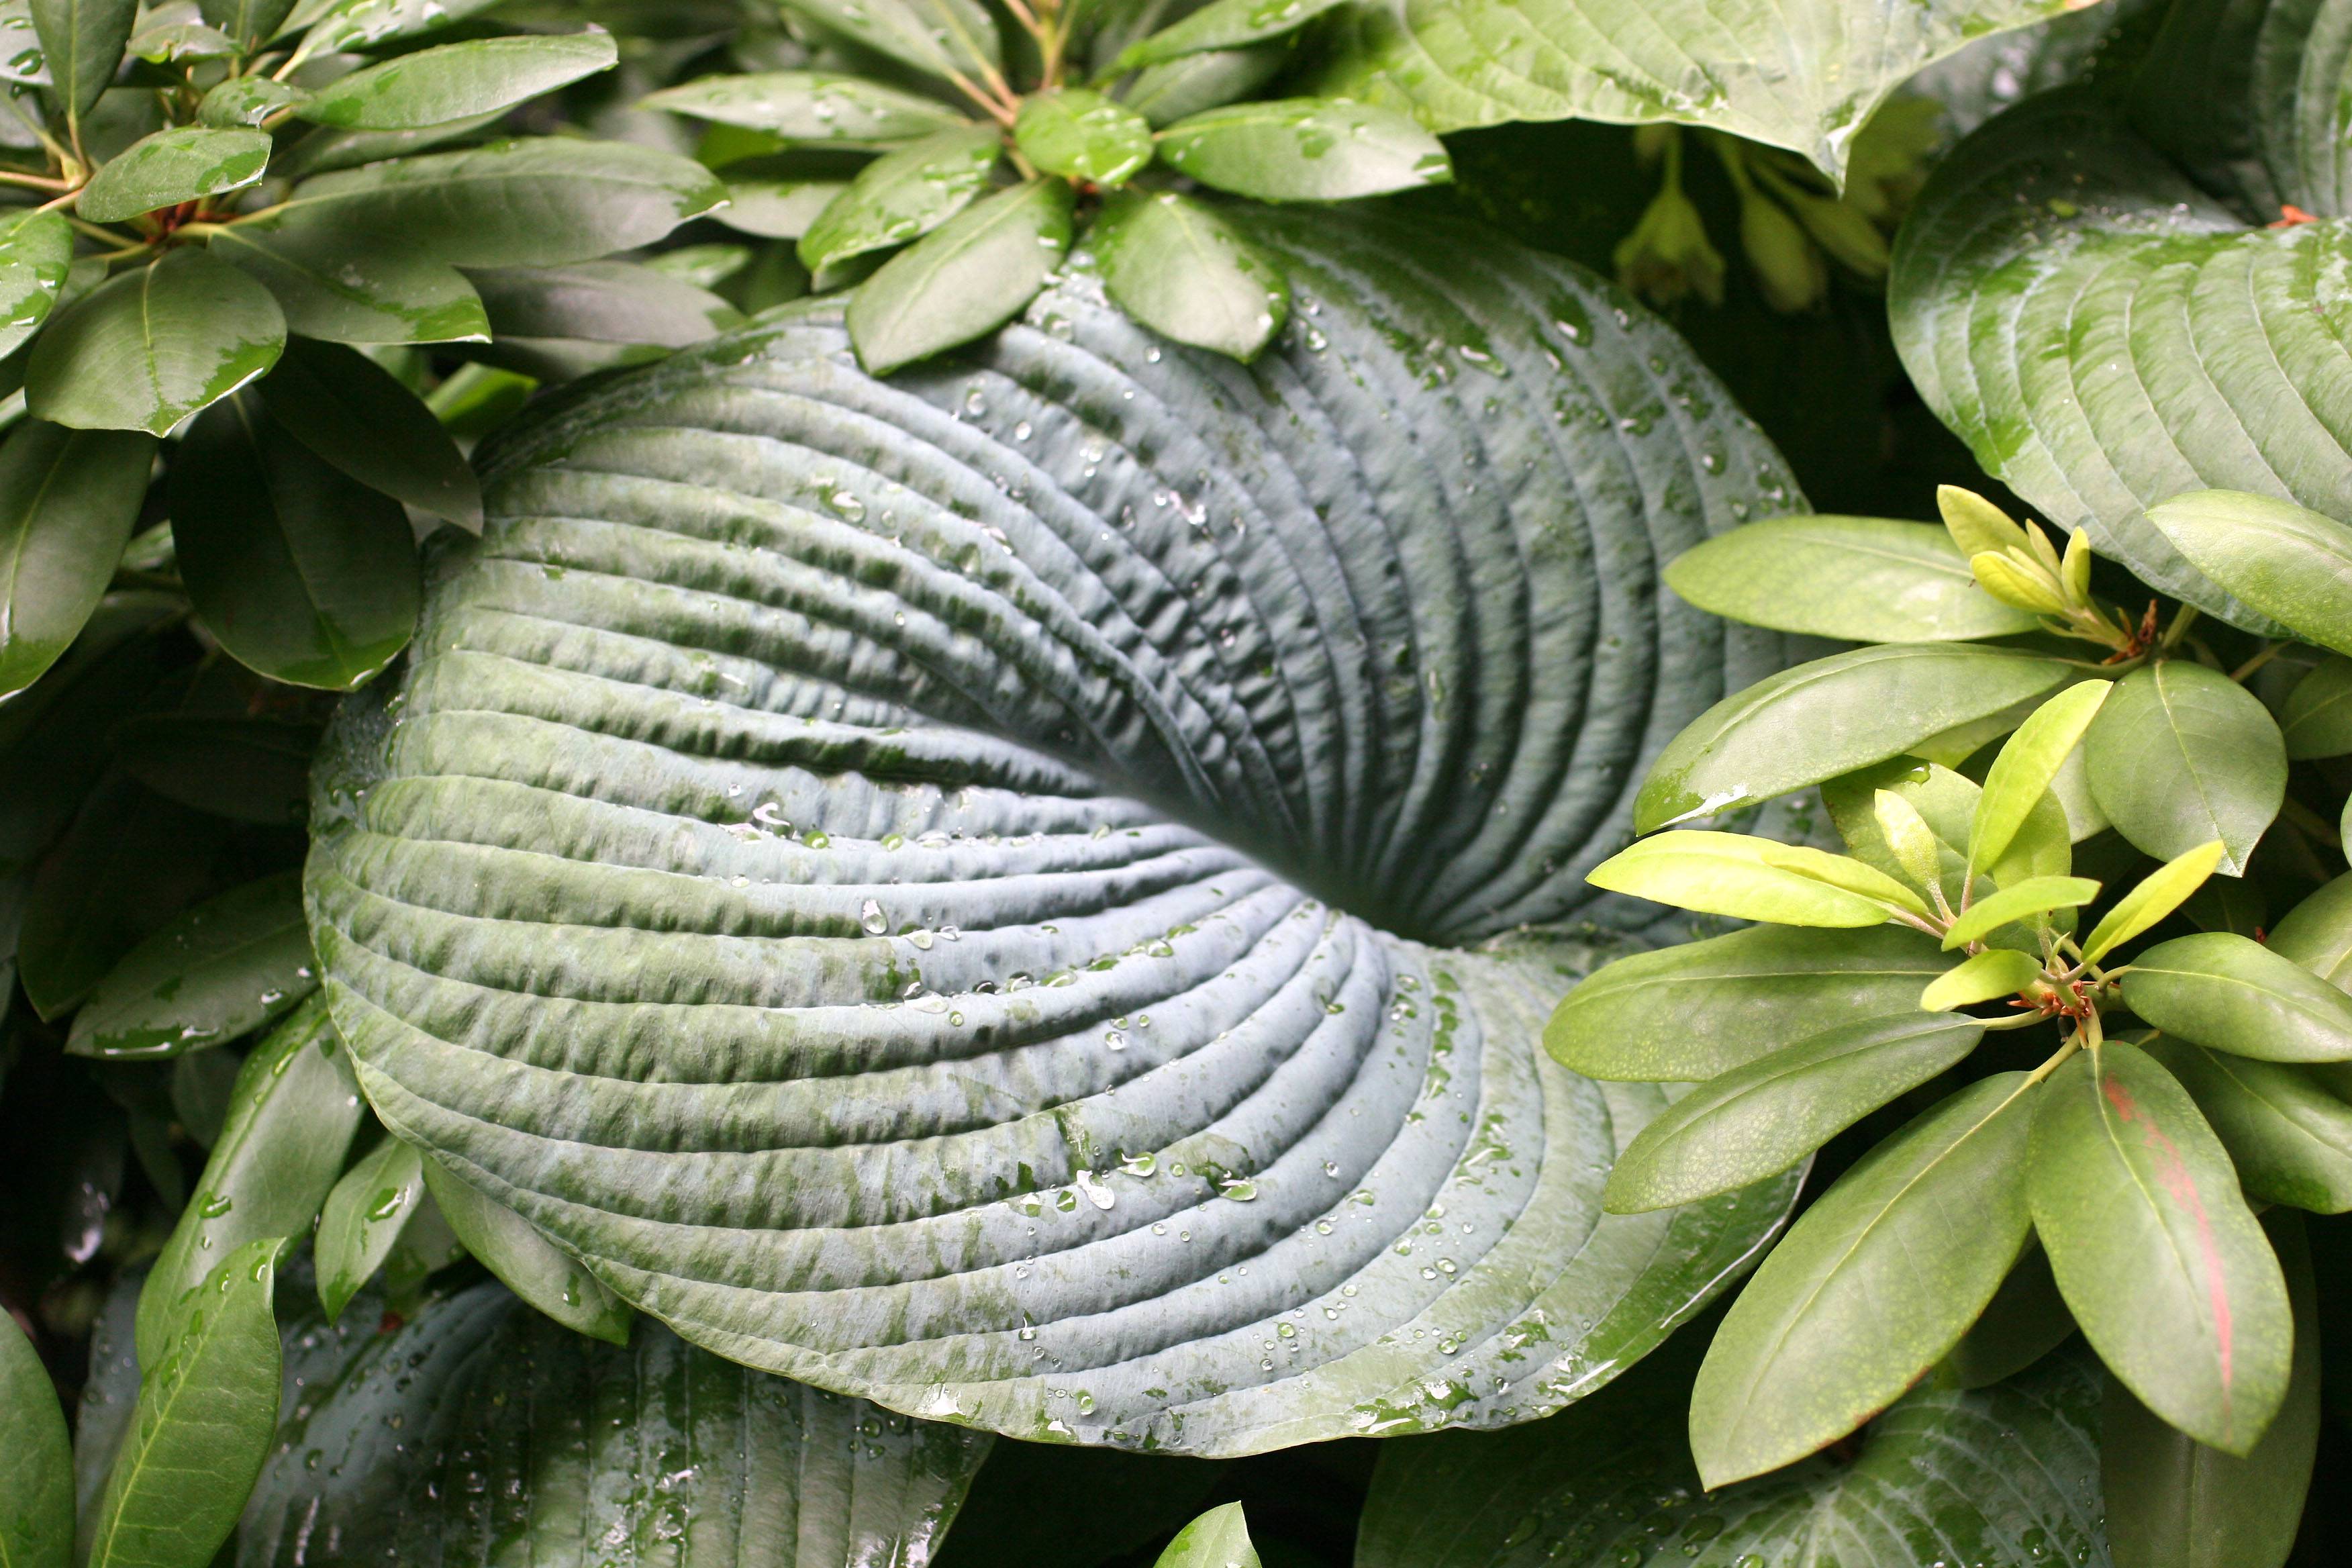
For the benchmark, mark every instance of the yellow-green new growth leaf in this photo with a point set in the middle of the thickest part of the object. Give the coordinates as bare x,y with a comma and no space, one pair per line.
1976,525
1218,1539
1913,843
1998,972
2159,893
2018,902
1754,879
2026,767
1858,579
2013,579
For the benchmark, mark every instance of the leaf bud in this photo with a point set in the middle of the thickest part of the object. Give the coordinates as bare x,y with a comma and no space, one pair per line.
1788,269
1975,524
1668,254
2016,578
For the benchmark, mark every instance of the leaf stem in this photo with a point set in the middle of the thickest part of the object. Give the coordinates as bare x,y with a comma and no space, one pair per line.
2269,652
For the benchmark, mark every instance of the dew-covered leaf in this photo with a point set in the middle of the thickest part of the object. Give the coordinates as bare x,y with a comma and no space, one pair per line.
214,972
457,81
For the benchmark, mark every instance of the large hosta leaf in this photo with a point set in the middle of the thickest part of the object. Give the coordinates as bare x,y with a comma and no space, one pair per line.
481,1433
2005,1475
862,864
2091,292
1801,74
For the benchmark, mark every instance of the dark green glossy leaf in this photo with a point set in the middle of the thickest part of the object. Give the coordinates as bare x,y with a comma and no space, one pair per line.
657,1452
249,22
248,769
1859,579
204,1086
1688,1013
2232,994
327,289
37,1493
945,38
1080,135
1870,1287
303,574
777,209
208,1412
150,346
362,1219
1174,264
539,201
54,734
2317,717
572,718
2161,1260
962,280
810,106
2181,754
173,42
82,41
215,971
902,196
600,302
457,81
1218,1539
1760,1120
36,248
325,150
1164,94
1305,149
290,1122
247,101
1223,25
533,1267
2289,1137
1831,717
127,864
2172,1502
2287,562
352,412
181,164
69,499
361,23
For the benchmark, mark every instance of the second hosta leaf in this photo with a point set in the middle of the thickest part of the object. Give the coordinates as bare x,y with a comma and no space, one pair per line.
887,870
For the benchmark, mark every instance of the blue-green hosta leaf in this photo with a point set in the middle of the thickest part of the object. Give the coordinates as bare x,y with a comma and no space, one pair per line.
2077,297
655,1453
1801,74
1981,1476
829,894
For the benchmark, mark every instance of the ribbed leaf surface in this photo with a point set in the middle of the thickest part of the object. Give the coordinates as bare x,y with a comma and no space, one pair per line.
2095,292
923,885
485,1433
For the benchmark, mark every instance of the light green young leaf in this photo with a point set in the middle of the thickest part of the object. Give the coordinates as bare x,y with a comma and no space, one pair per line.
331,290
1688,1013
82,41
2180,755
2172,1502
1977,527
1080,135
2318,718
456,82
173,166
945,38
304,574
207,1412
213,973
1997,972
2231,993
1760,1120
2290,1139
2287,562
1831,717
2018,902
362,1219
1222,25
69,499
1942,800
1218,1539
2159,893
35,250
351,411
1870,1287
1858,579
902,196
2159,1258
1756,879
1172,263
290,1120
1305,149
810,106
1914,845
37,1489
2027,766
150,346
2042,847
531,1266
963,279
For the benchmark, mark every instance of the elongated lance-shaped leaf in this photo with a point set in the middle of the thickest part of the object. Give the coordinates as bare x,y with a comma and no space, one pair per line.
357,416
947,38
2158,894
213,973
1752,878
37,1489
965,279
179,165
810,106
457,81
2027,764
362,1219
1174,264
82,41
2018,902
2232,994
2289,1137
69,499
1224,25
1859,579
902,1109
1997,972
2159,1258
903,195
531,1266
1305,149
2285,560
657,1452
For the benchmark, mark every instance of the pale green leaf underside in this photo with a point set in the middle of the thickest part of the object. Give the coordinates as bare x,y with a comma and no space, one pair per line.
1801,74
821,869
481,1432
